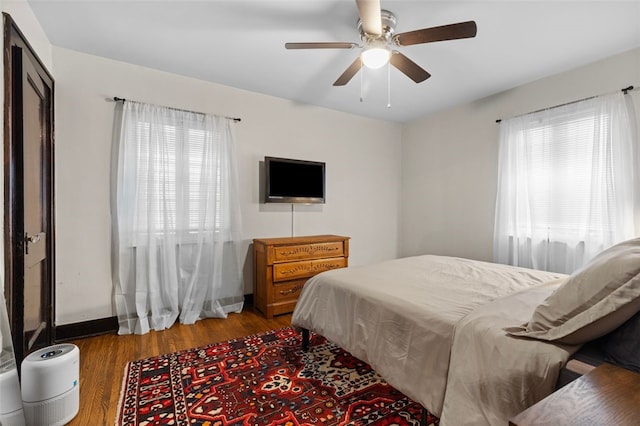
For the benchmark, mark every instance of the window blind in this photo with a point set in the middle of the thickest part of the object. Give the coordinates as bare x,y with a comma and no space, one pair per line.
562,162
179,157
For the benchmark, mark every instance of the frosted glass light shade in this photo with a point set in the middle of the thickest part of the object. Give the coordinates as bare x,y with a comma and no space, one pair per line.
375,57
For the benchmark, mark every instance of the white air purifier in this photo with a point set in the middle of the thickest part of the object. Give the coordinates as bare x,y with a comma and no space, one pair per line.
51,385
11,413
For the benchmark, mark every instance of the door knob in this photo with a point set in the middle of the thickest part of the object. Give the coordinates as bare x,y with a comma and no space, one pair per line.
30,239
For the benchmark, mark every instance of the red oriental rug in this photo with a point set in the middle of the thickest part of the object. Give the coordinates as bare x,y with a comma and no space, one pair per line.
264,379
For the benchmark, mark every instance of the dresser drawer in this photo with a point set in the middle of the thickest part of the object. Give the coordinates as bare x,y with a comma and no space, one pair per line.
288,290
308,251
303,269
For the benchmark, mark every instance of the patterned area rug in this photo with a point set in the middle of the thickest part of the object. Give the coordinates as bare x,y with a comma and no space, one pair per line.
264,379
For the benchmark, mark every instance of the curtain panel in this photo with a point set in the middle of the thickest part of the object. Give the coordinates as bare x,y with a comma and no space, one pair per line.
175,218
567,183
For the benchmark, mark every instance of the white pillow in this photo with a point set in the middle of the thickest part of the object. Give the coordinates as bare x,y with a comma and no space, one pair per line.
592,302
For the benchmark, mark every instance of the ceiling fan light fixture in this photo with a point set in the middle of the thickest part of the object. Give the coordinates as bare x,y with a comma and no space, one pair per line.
375,56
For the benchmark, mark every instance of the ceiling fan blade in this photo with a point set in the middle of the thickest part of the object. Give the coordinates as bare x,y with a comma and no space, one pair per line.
369,11
445,32
320,45
412,70
349,73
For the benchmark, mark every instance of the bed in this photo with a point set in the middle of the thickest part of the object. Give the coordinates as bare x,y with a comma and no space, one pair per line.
455,335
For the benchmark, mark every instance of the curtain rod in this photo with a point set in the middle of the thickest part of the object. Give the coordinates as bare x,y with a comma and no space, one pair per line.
625,91
236,119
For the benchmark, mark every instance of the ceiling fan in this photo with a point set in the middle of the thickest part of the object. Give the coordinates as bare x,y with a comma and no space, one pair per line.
377,28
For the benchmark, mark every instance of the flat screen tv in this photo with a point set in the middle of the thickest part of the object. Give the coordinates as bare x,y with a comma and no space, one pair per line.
293,181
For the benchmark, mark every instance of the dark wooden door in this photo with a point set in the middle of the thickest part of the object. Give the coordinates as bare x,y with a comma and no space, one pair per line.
28,194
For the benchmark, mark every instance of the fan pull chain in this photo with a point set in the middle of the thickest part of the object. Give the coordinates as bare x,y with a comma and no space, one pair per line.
361,80
389,84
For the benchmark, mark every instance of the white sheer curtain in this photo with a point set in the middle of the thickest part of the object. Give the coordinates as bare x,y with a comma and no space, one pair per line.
176,218
566,183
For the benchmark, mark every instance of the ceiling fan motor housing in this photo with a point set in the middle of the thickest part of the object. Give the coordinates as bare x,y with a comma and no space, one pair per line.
388,28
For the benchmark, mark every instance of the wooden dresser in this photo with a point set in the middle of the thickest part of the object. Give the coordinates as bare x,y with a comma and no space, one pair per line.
282,266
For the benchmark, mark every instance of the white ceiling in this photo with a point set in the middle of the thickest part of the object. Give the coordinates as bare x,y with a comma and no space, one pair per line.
240,43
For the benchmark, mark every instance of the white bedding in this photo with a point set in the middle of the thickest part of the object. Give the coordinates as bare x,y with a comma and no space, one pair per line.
400,315
492,376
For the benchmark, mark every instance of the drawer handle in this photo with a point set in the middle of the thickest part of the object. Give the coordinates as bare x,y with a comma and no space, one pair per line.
308,250
291,290
318,267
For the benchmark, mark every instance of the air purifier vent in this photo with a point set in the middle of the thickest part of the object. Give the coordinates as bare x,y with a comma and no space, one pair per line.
55,411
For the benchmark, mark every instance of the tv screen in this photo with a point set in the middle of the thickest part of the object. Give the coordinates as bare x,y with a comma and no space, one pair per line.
293,181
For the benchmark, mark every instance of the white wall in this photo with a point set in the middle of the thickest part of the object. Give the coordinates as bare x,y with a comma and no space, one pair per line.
362,158
450,159
23,15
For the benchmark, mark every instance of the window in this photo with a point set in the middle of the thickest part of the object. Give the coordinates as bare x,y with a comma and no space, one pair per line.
559,156
161,166
566,184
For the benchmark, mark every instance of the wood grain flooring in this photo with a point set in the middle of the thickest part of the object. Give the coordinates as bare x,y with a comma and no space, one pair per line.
103,358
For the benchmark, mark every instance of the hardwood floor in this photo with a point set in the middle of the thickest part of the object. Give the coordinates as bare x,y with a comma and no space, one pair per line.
103,358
